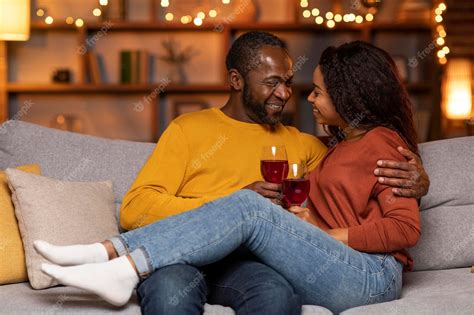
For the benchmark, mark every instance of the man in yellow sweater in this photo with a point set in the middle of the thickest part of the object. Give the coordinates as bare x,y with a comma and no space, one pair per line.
212,153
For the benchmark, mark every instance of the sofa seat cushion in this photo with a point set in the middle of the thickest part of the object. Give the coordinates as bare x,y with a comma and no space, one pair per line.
436,292
22,299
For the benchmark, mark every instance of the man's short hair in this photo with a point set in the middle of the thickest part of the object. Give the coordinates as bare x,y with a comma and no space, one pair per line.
244,53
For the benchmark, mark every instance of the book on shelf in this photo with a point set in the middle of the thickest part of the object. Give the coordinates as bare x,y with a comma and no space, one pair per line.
134,67
93,68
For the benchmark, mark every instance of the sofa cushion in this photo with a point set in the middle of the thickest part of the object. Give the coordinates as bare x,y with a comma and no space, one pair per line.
20,299
449,163
12,256
447,211
447,238
437,292
61,213
71,156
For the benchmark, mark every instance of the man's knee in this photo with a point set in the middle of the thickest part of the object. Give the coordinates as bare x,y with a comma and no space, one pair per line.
275,292
176,289
250,287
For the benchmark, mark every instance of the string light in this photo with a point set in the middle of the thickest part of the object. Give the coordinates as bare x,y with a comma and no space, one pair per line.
70,20
335,17
97,12
440,38
103,2
169,16
197,16
49,20
79,23
40,12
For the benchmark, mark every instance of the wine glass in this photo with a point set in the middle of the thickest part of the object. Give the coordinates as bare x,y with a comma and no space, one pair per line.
296,186
274,163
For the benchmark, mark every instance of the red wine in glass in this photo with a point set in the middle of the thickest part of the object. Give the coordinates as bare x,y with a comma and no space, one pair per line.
274,163
274,171
295,191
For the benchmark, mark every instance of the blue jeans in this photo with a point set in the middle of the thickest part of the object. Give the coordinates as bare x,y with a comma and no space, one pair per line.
322,270
247,286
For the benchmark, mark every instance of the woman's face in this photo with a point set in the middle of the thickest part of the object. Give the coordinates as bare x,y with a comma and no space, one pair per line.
324,111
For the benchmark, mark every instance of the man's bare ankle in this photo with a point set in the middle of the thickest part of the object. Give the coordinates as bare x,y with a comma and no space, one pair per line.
111,252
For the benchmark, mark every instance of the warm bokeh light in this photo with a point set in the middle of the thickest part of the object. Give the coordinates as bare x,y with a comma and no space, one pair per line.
97,12
446,50
443,60
440,54
79,22
70,20
440,41
169,16
201,15
213,13
329,15
330,23
442,33
225,1
458,97
338,18
369,17
439,18
104,2
306,14
439,11
315,12
319,20
304,3
346,18
197,21
359,19
442,6
40,12
49,20
165,3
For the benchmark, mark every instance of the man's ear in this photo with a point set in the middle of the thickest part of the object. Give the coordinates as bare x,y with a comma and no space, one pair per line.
235,79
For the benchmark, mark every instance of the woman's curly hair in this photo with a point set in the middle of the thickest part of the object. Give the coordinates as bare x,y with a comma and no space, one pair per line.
365,87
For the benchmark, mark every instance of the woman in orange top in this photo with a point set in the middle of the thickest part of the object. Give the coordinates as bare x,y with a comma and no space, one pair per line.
351,254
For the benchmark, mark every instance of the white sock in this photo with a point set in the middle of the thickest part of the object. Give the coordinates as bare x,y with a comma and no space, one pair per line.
114,281
72,255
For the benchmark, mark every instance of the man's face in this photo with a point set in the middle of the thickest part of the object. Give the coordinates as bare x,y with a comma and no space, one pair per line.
268,87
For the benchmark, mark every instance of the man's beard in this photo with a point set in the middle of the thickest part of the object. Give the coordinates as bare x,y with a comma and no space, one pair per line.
257,111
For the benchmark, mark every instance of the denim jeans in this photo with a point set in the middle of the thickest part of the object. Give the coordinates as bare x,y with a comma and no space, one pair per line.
322,270
247,286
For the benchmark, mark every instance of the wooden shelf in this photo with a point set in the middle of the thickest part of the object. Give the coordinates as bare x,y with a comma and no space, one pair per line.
276,27
15,88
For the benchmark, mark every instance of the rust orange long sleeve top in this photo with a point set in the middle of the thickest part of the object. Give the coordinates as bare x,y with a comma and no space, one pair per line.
345,193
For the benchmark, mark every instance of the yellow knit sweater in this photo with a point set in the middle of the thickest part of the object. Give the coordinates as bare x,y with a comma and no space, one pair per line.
203,156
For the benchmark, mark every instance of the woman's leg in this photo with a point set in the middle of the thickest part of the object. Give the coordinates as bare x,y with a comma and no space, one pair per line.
322,270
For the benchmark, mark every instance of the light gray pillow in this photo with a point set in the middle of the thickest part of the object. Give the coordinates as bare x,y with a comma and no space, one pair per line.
61,213
447,211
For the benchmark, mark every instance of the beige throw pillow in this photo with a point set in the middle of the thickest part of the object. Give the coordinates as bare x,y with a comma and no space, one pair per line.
59,212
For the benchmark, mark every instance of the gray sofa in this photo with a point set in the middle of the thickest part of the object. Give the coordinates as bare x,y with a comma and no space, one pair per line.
441,284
